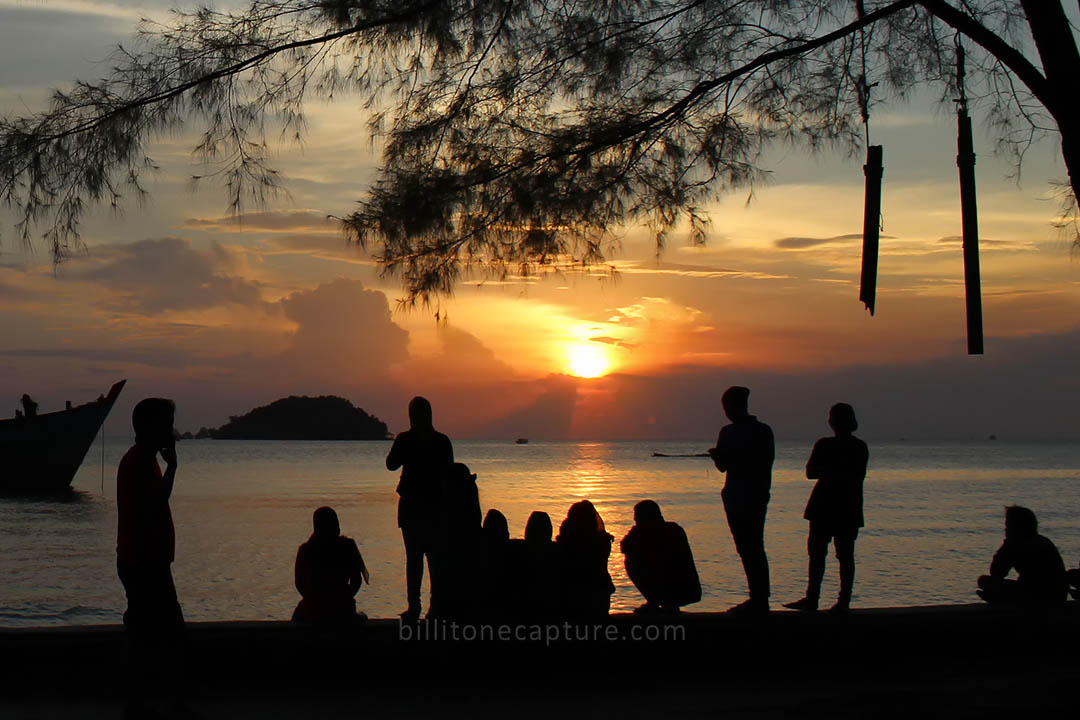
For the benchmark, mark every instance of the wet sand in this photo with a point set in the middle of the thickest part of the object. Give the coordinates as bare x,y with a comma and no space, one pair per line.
945,661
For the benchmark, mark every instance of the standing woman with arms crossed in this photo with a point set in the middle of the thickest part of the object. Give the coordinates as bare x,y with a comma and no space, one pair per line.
835,508
425,456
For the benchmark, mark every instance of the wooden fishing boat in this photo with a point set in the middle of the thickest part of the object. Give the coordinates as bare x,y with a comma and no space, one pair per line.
40,454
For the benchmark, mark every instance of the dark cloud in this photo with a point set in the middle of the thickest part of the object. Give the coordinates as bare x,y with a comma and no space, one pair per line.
613,341
1022,389
275,220
549,416
988,242
801,243
162,357
345,334
152,276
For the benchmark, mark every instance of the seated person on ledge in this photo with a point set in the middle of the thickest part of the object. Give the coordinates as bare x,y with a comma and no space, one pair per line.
659,561
329,572
1039,567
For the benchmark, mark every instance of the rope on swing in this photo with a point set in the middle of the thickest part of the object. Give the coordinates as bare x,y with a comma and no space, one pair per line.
969,213
873,170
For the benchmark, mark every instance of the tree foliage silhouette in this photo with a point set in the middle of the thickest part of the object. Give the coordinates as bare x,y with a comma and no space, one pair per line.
518,134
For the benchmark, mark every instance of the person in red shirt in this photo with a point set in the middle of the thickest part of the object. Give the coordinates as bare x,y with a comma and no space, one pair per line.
145,549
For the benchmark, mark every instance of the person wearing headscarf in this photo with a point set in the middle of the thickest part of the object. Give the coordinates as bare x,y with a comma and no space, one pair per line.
425,457
328,573
583,547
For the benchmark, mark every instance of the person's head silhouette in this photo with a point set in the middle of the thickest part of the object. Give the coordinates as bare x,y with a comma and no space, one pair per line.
326,524
495,528
538,528
647,512
842,419
420,414
152,419
582,519
736,401
1020,523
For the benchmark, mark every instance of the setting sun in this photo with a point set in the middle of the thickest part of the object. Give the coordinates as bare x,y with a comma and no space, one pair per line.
588,360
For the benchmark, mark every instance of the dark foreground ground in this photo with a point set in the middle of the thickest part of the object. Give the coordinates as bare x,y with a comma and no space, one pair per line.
954,662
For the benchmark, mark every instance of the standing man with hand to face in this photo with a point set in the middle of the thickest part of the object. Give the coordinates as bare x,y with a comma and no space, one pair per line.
745,451
145,549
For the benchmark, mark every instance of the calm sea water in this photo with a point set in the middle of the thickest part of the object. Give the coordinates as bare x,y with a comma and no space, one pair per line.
934,518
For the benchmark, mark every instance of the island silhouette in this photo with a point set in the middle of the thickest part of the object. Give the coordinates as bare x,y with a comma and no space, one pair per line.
326,417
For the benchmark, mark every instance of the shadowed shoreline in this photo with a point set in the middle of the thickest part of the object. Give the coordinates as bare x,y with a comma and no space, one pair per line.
920,660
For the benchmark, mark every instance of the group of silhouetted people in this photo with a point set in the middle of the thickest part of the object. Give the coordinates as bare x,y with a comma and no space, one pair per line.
745,451
478,571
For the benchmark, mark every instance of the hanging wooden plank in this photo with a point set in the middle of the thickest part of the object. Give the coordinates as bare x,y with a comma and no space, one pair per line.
965,160
873,169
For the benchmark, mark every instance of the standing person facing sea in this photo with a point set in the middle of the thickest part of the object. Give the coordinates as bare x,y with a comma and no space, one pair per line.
745,451
835,507
145,550
425,456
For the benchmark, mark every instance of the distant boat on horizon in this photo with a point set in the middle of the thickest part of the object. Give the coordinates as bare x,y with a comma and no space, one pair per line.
40,454
522,441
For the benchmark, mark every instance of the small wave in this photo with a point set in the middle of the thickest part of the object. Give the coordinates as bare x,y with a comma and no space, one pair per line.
76,615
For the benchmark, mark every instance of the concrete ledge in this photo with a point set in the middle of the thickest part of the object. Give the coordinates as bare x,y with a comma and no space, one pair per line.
265,654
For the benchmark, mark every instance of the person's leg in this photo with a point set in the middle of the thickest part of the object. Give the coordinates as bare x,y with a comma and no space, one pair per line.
747,523
436,578
170,638
844,544
1073,576
817,547
735,525
756,562
139,663
414,568
638,570
999,591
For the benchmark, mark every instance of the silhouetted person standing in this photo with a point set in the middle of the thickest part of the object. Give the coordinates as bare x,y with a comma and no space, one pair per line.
745,451
425,457
1041,580
1073,577
329,572
659,561
583,547
30,406
145,550
835,508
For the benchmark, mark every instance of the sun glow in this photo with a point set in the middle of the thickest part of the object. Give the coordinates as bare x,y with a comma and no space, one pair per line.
588,360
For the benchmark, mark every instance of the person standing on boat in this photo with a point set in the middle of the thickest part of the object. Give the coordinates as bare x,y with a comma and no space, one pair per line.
425,457
145,550
745,451
835,508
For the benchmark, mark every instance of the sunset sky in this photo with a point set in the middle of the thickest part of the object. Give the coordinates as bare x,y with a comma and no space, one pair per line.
222,315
